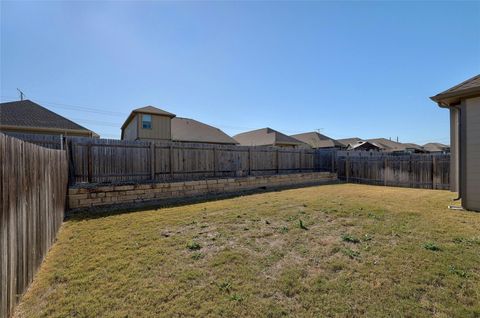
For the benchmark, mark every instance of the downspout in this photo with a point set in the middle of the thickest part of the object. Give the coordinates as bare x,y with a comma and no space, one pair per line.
459,145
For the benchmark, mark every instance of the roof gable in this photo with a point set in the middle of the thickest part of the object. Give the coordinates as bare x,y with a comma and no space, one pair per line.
387,144
317,140
347,141
265,137
146,110
153,110
26,113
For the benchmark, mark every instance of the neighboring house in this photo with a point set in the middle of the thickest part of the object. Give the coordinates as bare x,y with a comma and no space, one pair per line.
435,147
463,101
414,148
148,123
349,141
363,145
268,137
154,124
27,117
189,130
318,141
388,145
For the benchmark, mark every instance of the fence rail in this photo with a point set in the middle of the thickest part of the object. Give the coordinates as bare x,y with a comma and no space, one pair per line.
33,185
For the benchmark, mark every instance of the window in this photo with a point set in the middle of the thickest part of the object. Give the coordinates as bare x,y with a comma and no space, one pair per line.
147,121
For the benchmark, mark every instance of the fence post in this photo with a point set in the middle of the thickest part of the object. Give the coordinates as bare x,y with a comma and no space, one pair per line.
89,163
347,167
171,161
334,153
300,159
385,166
152,160
214,161
249,160
434,170
278,166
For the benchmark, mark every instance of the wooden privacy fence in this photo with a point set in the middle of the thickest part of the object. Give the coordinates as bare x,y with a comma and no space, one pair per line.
431,171
33,185
102,160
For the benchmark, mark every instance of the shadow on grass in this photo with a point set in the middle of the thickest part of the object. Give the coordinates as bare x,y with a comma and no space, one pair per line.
115,209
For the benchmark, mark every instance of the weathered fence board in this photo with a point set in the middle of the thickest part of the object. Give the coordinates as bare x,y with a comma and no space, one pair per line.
429,171
103,160
33,185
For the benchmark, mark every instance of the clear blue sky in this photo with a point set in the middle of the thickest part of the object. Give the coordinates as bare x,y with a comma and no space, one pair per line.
361,69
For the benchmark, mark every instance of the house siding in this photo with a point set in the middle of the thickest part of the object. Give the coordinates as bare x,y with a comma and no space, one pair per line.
130,132
471,192
161,128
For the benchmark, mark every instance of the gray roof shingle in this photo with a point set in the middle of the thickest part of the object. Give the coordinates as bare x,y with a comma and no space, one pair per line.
26,113
468,88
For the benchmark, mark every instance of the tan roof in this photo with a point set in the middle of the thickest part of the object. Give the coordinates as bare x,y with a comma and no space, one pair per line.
189,130
435,147
388,145
363,144
349,141
147,110
410,145
452,96
317,140
266,137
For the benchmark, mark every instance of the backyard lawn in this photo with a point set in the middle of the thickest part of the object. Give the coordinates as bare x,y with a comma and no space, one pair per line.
333,250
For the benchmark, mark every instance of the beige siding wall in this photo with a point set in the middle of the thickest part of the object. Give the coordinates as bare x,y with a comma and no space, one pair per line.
454,149
471,198
130,132
161,128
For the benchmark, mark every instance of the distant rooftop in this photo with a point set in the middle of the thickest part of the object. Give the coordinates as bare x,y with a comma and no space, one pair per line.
25,113
265,137
317,140
190,130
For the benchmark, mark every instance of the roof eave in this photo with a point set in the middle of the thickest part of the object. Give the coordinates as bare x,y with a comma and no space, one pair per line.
451,99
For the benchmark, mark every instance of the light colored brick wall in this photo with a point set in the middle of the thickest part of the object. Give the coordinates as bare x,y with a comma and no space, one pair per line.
84,198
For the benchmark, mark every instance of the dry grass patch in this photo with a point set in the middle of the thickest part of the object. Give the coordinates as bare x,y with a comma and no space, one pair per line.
336,250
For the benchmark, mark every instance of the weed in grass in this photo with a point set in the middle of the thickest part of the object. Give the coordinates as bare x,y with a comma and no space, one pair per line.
291,218
373,216
283,229
431,246
225,286
236,297
302,226
367,238
461,273
350,238
351,253
203,226
197,255
193,246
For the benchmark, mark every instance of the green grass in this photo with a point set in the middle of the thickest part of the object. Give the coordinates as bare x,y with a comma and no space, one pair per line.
368,251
